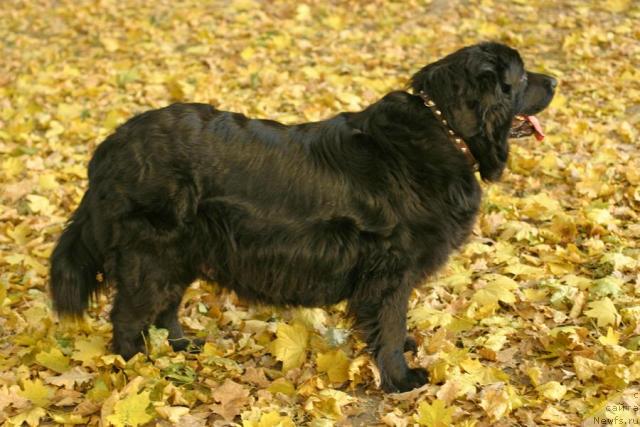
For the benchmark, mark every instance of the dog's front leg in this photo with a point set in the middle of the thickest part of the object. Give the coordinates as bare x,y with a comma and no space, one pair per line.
382,323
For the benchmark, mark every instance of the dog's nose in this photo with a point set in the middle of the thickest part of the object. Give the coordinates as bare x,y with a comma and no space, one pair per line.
552,82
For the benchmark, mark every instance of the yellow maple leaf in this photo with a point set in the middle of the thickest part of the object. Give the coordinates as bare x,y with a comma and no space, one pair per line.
38,393
496,401
12,166
535,375
68,112
86,350
100,391
604,311
20,233
290,346
31,417
335,364
524,270
356,367
131,411
111,120
493,341
110,44
454,388
172,413
69,379
426,317
48,181
499,289
351,100
554,416
69,419
435,414
539,206
282,385
334,21
552,390
489,30
601,216
247,53
616,5
39,204
313,318
328,403
612,337
303,12
616,375
270,419
586,368
54,360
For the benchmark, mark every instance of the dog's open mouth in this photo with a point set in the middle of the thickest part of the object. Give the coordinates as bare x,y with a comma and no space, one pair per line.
524,125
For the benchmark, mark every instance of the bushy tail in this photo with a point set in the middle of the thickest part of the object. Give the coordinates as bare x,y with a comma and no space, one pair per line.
75,263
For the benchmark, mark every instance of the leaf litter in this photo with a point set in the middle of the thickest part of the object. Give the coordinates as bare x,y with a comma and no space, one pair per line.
535,321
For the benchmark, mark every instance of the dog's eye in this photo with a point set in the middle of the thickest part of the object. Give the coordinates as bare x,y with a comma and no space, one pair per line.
506,88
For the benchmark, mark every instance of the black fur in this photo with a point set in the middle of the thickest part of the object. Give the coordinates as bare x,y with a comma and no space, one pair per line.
361,207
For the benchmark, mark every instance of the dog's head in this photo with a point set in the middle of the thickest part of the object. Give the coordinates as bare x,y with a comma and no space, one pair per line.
487,96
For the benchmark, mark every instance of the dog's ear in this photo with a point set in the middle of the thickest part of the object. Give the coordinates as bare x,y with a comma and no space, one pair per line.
438,80
495,106
446,84
495,111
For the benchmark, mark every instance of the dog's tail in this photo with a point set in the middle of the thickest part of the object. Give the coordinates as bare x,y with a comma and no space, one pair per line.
75,264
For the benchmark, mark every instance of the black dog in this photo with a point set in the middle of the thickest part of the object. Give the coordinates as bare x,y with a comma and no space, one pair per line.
361,207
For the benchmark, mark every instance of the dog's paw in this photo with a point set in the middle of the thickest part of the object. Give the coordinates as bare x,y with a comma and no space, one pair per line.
414,378
410,344
127,350
191,345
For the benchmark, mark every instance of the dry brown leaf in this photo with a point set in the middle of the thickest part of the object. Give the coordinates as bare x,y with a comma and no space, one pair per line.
231,398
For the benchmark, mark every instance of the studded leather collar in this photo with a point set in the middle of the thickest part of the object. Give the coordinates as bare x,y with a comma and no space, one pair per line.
453,137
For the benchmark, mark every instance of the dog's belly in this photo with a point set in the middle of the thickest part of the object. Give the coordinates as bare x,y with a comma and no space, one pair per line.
282,284
307,263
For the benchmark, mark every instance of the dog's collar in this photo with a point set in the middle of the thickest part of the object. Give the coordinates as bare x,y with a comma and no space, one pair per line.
453,137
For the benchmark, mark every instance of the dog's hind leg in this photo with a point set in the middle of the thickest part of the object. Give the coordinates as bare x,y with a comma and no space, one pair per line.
130,318
382,322
140,298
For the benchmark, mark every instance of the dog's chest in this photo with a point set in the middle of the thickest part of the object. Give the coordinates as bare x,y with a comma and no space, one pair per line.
443,225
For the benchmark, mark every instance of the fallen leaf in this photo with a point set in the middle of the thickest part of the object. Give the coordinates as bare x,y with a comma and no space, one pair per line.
132,410
552,390
604,311
335,364
290,346
71,378
38,393
434,414
231,398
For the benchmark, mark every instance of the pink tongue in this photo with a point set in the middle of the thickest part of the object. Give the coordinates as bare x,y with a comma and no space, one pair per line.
539,133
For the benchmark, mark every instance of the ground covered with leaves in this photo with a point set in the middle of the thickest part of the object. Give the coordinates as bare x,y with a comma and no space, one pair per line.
536,321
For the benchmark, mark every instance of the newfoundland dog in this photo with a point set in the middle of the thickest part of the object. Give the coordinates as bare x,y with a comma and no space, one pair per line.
361,207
